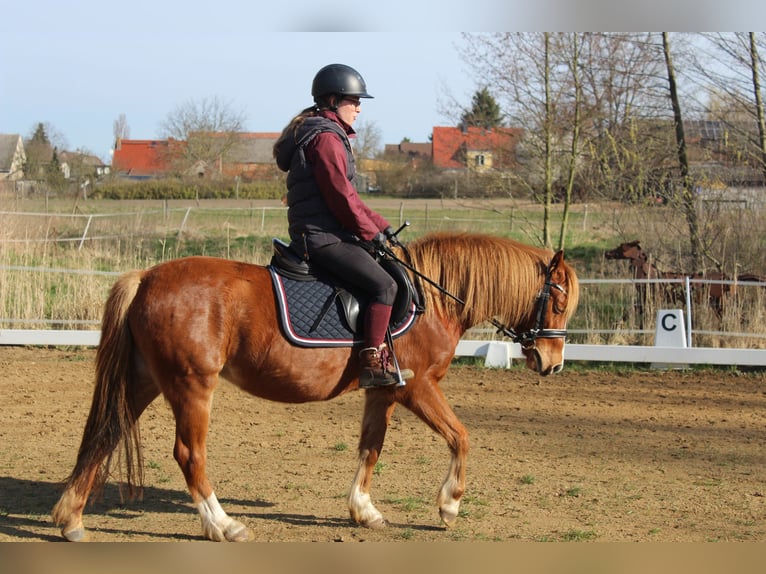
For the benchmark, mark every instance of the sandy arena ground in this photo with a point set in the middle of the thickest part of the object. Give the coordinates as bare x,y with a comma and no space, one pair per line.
597,455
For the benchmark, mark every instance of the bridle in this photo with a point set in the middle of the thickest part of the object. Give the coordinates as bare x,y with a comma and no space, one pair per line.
527,338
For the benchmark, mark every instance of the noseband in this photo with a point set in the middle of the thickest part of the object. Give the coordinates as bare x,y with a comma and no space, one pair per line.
527,338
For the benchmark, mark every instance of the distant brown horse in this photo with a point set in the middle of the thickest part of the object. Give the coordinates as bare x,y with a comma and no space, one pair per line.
642,268
175,328
752,278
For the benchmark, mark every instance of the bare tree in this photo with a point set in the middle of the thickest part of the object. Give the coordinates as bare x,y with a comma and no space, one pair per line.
621,95
208,127
577,103
120,128
755,63
760,116
531,73
547,128
730,71
368,142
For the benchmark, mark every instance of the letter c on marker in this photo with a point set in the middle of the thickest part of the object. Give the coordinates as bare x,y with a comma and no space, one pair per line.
672,326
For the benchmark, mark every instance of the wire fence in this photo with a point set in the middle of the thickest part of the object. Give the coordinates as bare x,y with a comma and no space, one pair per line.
37,291
606,314
177,220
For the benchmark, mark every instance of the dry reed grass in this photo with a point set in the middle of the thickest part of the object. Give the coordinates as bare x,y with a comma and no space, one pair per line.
111,237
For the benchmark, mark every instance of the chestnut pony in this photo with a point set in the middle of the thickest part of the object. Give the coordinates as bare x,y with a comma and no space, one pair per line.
177,327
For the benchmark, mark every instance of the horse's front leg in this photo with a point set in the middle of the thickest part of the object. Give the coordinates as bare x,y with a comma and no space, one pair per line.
430,405
192,419
378,408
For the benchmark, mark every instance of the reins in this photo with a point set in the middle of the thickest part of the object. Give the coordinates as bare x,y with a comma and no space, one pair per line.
525,338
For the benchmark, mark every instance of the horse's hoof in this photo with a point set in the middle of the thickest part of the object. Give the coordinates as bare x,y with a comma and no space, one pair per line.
377,524
75,535
448,516
237,532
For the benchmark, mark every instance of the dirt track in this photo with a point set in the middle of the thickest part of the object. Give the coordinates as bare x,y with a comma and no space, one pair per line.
596,455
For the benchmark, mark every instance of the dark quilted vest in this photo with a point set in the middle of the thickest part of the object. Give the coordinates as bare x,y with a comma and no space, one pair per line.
309,217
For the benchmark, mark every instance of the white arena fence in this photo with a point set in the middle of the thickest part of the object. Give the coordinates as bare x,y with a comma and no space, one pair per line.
496,353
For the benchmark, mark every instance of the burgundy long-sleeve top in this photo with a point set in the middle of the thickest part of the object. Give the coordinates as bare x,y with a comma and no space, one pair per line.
327,155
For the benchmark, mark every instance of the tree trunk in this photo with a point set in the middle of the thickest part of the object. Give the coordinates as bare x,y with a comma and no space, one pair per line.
575,140
548,159
755,61
687,193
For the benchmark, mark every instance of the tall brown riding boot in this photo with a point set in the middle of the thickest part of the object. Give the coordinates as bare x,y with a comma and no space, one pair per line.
377,370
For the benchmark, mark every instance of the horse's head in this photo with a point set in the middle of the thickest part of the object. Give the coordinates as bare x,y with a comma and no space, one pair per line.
628,250
542,343
516,287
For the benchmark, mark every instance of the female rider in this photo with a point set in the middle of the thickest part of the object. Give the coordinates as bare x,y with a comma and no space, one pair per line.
329,224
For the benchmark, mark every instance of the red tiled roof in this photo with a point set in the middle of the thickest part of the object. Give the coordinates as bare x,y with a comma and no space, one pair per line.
151,158
450,145
144,158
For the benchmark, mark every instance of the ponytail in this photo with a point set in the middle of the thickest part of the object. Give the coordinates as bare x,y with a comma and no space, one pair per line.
289,130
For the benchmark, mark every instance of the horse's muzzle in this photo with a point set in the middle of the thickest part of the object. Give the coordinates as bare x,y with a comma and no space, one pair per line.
535,362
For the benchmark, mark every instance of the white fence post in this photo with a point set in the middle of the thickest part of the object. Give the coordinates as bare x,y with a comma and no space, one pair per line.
498,355
85,233
183,223
688,289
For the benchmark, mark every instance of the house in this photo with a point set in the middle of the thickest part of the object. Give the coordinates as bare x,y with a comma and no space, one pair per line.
250,156
78,164
724,152
415,153
246,155
12,157
475,148
144,159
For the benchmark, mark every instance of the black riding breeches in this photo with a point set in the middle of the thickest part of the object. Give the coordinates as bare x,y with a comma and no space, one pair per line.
355,266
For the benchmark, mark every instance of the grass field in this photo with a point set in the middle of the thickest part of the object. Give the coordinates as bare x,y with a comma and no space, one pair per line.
113,236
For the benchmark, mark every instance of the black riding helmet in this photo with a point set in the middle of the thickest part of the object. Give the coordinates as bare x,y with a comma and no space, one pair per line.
338,79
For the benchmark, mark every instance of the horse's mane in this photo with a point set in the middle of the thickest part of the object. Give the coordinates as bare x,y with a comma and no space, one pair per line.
491,274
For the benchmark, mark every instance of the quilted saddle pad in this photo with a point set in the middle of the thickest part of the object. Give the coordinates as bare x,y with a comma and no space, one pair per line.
314,313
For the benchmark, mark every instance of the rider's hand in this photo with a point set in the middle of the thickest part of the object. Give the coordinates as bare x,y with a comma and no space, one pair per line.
391,236
379,241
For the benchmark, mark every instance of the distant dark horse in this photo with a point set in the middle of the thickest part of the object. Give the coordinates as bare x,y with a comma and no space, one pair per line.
752,278
173,329
642,268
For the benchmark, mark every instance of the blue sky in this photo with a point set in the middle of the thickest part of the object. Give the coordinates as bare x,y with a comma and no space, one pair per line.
78,65
84,67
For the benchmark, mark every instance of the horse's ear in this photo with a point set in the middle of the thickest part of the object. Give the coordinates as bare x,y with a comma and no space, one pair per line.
556,261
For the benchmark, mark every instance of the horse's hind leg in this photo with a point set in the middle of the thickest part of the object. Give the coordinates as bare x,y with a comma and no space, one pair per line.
192,414
95,448
67,513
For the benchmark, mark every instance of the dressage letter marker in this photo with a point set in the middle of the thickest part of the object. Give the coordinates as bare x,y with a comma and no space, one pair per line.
670,332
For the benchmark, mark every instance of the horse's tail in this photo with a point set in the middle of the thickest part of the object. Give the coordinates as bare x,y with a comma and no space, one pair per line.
112,419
